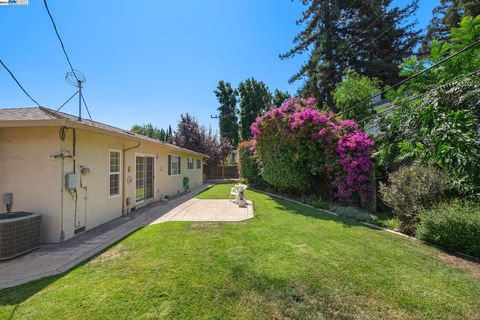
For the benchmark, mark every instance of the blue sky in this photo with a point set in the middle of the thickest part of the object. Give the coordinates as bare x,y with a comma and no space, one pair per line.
149,61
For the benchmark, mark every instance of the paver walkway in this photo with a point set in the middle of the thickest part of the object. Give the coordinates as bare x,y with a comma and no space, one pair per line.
53,259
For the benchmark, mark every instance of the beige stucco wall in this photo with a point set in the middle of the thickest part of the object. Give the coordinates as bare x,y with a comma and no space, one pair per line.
27,170
164,184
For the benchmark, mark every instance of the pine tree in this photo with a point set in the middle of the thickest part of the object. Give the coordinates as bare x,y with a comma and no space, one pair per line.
385,36
369,37
255,98
321,36
228,121
169,135
447,16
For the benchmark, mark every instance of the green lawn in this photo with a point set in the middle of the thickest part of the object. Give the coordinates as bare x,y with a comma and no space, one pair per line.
289,262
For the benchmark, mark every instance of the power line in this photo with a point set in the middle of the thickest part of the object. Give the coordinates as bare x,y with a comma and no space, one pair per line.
364,46
474,73
74,72
18,83
470,46
59,38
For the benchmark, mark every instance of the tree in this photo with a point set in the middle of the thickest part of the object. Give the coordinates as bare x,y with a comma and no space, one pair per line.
228,121
279,97
350,95
435,120
169,135
446,16
368,36
467,62
147,130
382,37
188,134
192,136
321,36
255,98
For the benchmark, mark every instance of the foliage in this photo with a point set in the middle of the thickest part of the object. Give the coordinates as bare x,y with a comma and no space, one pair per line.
352,213
248,164
149,130
411,189
350,95
462,64
455,226
315,200
299,147
436,121
228,122
192,136
372,37
279,97
447,16
255,98
188,134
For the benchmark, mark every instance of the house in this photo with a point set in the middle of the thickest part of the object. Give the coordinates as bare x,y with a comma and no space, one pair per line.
79,173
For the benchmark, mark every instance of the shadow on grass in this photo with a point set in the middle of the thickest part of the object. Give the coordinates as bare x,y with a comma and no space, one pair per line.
295,208
14,296
287,298
18,294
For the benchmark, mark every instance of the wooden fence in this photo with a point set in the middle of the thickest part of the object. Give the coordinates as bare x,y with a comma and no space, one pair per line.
221,172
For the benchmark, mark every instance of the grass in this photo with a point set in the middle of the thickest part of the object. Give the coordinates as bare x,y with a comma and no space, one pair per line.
289,262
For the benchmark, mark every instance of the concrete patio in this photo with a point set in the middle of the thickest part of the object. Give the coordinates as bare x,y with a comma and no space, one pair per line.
53,259
208,210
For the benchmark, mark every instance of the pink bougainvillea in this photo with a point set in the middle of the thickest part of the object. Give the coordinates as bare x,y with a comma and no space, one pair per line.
326,145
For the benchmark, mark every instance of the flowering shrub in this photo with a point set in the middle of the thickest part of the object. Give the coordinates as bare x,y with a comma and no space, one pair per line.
300,148
248,164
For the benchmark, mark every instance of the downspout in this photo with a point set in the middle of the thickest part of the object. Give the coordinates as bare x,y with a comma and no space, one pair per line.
124,177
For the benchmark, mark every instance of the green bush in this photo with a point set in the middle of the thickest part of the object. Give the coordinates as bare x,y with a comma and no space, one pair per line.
248,164
315,201
352,213
455,226
411,189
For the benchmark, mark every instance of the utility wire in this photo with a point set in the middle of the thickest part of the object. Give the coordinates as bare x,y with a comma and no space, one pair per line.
415,96
18,83
59,38
364,46
470,46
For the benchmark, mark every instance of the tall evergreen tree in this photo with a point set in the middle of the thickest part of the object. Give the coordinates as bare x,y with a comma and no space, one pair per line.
228,121
169,135
279,97
386,38
368,36
255,98
446,16
321,37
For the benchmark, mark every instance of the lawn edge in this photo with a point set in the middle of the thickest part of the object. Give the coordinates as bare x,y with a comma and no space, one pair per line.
371,225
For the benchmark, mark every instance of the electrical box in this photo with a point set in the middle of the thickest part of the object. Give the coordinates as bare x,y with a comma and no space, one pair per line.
83,182
70,181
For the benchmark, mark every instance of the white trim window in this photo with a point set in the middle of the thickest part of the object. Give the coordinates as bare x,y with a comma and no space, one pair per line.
114,172
199,164
174,165
190,163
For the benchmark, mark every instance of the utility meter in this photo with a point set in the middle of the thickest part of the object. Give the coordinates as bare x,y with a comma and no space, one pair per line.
70,181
